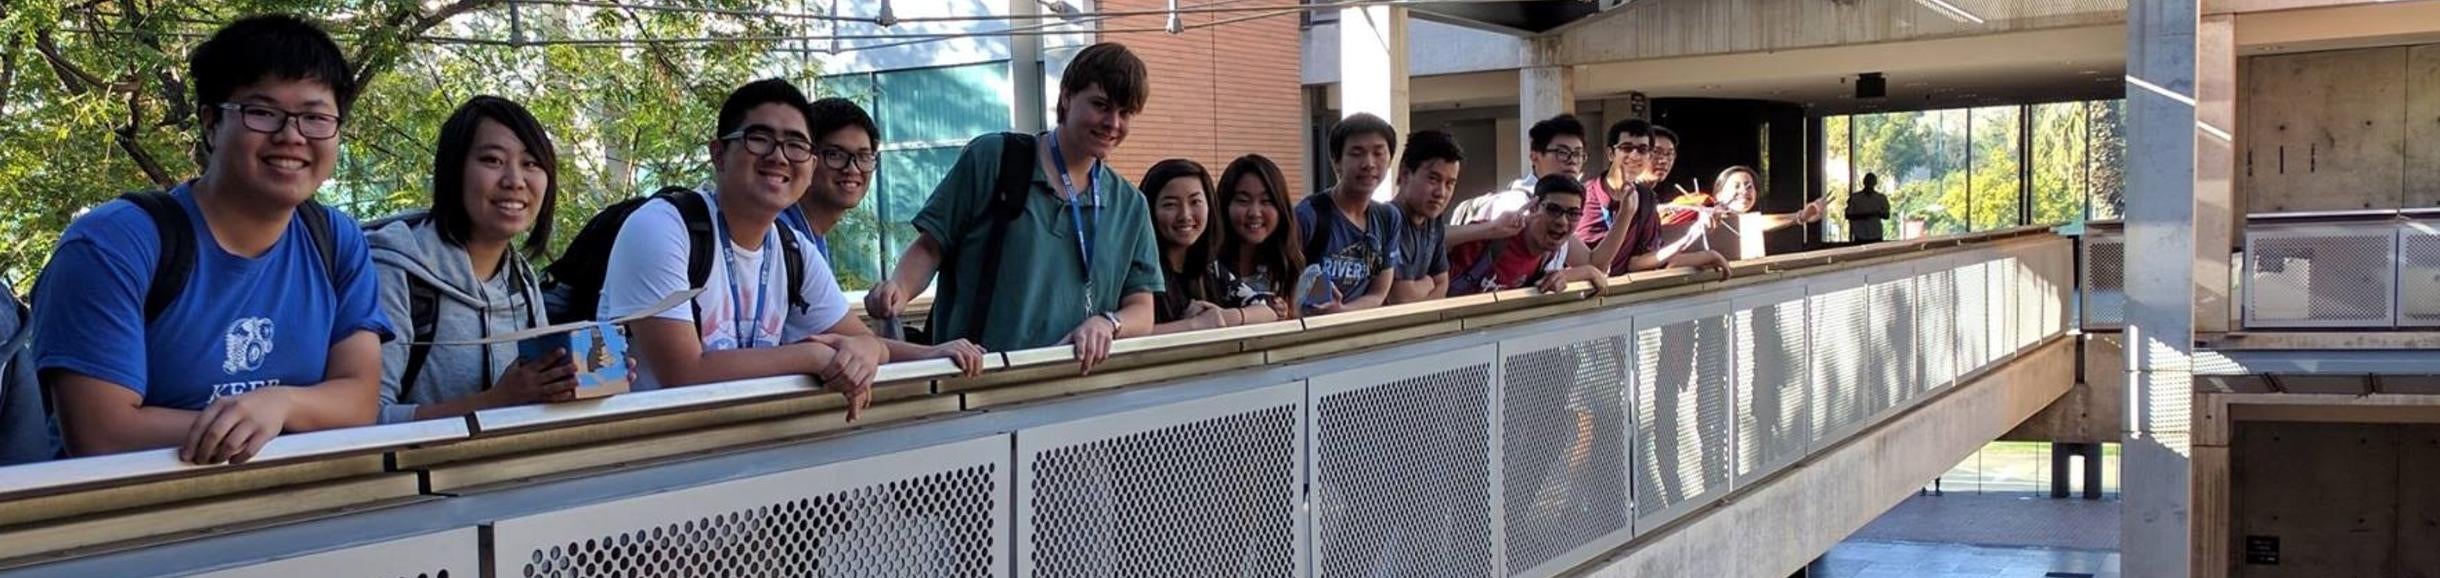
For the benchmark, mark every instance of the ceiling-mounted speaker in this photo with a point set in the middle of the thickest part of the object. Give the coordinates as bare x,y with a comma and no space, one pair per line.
1871,85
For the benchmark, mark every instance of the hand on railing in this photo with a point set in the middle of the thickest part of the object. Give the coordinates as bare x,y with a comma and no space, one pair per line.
967,355
852,368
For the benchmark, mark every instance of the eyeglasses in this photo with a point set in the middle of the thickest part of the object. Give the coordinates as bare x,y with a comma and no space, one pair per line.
1565,154
760,143
267,120
1562,211
1666,153
1632,148
838,158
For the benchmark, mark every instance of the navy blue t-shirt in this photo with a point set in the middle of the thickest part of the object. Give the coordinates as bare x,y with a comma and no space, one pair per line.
241,324
1350,257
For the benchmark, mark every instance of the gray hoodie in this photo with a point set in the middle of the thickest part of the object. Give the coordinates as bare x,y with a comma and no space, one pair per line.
408,249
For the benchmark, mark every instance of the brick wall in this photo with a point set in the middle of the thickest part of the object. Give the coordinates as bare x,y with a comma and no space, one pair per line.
1217,92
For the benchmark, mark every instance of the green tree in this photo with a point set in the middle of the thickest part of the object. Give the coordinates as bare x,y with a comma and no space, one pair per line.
98,103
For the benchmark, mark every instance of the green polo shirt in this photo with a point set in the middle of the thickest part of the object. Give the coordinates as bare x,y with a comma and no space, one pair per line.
1039,290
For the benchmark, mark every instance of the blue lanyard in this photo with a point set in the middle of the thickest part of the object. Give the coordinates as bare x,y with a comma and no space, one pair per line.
1084,243
744,334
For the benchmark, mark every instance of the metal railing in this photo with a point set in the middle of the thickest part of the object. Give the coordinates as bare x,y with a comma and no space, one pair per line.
2377,273
1512,434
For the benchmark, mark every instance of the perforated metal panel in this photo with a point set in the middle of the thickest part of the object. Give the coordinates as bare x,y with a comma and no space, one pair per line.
2104,296
1684,436
1563,416
1936,324
1973,331
2000,276
447,554
2419,274
938,511
1841,342
1895,378
1202,488
2320,276
1402,480
1774,423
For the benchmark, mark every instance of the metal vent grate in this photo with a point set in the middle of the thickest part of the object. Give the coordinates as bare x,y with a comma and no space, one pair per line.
2319,276
1564,424
2104,298
1401,477
1684,443
935,525
1772,422
2419,274
1215,497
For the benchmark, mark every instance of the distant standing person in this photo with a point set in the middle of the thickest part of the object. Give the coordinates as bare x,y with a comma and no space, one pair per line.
1866,209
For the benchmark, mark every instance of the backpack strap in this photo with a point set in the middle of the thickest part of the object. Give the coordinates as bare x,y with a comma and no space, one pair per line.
699,232
1008,195
177,259
423,307
793,258
1325,224
317,229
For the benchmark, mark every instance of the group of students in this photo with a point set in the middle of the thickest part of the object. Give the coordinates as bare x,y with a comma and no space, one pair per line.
231,309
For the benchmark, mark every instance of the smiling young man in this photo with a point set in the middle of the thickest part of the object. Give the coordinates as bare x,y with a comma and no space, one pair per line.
231,309
1622,215
846,153
1062,253
1545,254
1558,149
1427,176
1351,238
747,322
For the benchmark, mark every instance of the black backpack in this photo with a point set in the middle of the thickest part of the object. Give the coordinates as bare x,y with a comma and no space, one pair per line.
177,260
26,433
1008,196
572,285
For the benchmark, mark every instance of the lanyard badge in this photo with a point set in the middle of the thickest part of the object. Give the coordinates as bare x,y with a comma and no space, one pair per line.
1084,243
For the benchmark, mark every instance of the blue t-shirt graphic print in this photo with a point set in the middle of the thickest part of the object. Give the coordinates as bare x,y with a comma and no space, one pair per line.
1350,257
241,324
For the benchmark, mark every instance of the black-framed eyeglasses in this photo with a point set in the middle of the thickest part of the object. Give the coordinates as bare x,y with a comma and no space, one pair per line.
1669,153
1632,148
268,120
1565,154
838,158
761,143
1562,211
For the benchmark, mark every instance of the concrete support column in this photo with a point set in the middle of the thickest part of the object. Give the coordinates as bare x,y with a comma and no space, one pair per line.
1372,69
2156,539
1025,68
1545,88
2216,222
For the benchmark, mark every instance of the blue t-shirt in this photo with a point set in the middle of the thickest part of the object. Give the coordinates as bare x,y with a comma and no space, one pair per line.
241,324
1350,257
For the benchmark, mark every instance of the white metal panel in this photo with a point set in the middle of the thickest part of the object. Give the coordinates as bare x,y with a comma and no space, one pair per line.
1685,443
1208,487
2419,273
1564,423
1842,320
1402,468
444,554
2335,275
936,511
1773,382
1895,378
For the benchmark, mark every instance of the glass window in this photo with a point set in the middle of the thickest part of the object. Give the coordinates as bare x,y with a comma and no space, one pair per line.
2059,163
1837,178
1993,192
2106,153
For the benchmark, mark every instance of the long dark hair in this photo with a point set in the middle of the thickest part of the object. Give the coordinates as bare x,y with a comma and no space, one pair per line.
449,168
1190,277
1284,260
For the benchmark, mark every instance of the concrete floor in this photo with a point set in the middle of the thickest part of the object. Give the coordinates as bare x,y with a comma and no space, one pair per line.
1890,559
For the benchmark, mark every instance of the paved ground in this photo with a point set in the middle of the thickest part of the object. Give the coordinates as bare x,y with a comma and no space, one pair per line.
1993,535
1890,559
2000,520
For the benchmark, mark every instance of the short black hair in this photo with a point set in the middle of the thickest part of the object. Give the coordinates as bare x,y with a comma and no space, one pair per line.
830,115
1871,180
1630,127
1430,145
1357,124
1552,128
267,47
449,168
761,92
1117,70
1661,132
1557,184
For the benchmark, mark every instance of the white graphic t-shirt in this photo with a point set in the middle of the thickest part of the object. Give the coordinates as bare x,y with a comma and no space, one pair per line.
649,262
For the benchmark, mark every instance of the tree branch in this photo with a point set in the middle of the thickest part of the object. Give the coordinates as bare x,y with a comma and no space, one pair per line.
378,53
126,137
